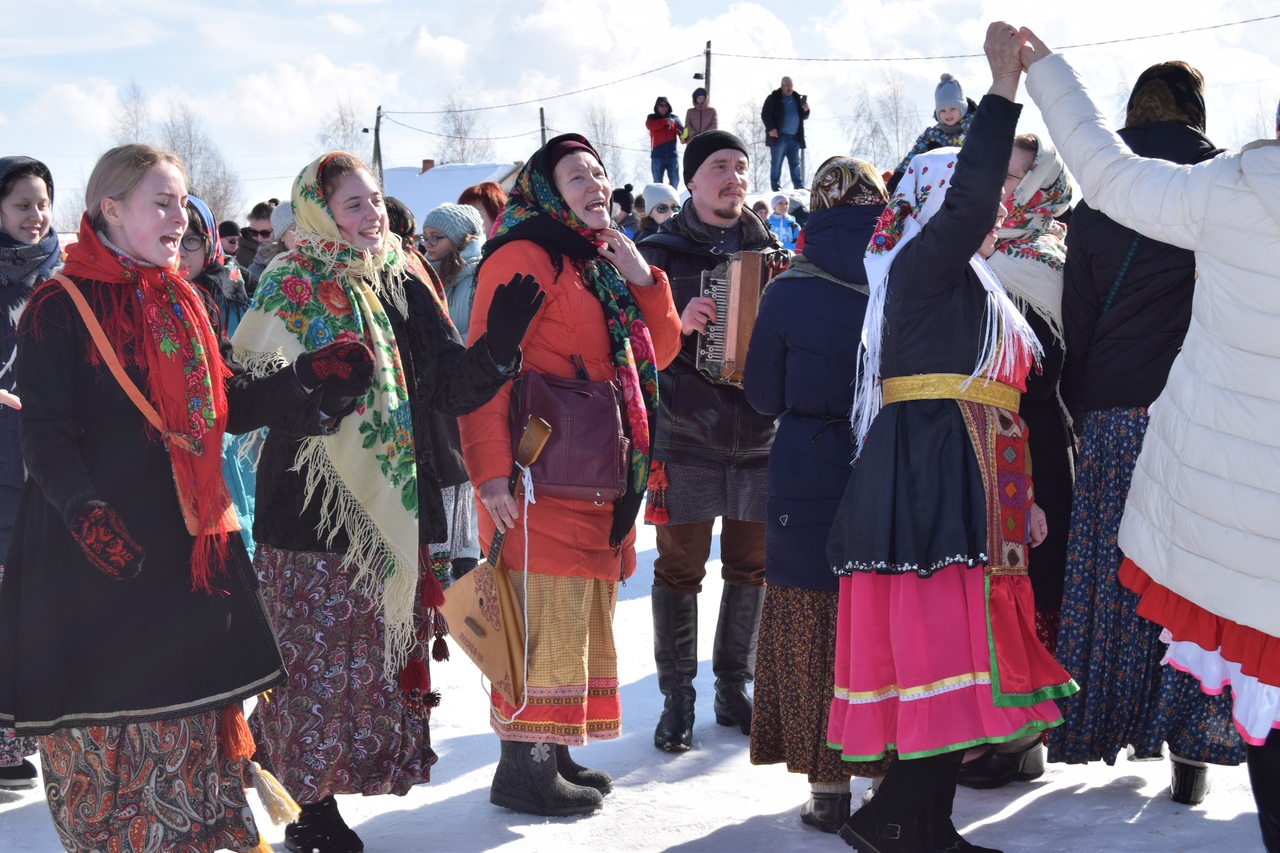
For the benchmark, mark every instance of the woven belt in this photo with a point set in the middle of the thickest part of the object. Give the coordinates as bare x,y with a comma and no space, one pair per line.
946,386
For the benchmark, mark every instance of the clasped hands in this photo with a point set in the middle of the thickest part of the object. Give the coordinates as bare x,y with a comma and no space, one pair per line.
1011,50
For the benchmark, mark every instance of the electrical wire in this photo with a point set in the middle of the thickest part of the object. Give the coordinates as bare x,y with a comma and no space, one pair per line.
542,99
451,136
979,55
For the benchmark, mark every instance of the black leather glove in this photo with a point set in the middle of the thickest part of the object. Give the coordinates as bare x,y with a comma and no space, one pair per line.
510,313
345,366
100,532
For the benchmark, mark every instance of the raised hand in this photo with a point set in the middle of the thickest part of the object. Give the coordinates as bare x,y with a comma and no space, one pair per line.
511,311
1033,50
1002,48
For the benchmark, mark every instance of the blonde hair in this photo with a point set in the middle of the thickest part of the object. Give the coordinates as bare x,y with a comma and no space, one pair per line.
118,173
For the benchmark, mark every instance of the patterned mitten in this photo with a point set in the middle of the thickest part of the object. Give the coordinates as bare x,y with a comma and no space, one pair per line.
101,534
345,366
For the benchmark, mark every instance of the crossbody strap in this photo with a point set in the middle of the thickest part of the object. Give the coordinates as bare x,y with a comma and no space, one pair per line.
109,354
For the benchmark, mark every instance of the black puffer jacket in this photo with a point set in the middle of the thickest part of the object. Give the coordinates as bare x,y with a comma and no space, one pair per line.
1120,358
700,422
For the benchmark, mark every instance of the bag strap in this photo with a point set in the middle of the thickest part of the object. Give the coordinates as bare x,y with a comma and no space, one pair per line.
1124,269
109,354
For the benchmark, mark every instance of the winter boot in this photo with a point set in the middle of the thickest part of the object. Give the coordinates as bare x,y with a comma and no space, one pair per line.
733,656
675,650
897,818
1264,778
320,829
1189,784
17,776
940,830
575,774
1019,760
827,809
528,781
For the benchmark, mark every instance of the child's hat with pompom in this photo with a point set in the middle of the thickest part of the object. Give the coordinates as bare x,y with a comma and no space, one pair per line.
949,95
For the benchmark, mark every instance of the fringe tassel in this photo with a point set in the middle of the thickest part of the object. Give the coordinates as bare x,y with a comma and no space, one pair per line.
415,682
234,738
655,511
263,846
430,590
439,649
281,807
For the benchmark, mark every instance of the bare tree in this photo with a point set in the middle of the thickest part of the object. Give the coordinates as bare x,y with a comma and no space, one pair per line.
600,128
68,207
209,177
464,134
748,127
346,131
132,121
883,122
1258,122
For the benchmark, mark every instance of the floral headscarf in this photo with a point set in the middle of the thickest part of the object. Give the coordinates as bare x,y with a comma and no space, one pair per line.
844,181
1006,339
536,211
364,476
1031,251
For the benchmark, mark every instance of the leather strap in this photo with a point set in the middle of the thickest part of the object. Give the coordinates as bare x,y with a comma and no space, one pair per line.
109,355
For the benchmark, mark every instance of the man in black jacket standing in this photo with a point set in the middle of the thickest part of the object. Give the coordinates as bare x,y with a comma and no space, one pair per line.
783,114
714,448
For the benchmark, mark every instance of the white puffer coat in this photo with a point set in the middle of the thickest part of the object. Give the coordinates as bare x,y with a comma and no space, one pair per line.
1203,517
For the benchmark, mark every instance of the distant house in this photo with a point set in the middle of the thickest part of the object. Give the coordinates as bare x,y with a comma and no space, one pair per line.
425,189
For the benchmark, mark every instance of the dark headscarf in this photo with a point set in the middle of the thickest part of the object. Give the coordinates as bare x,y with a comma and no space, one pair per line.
24,265
401,220
537,212
1169,91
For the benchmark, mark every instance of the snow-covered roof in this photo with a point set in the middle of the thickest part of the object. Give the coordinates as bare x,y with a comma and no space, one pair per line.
425,191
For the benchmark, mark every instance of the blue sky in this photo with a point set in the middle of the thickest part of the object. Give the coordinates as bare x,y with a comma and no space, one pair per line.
265,76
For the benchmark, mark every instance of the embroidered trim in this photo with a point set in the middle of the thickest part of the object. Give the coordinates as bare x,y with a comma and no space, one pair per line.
884,568
912,694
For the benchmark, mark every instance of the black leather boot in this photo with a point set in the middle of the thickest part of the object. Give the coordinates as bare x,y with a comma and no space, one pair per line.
527,780
939,828
1018,761
897,820
320,829
575,774
675,651
1264,778
1189,781
733,656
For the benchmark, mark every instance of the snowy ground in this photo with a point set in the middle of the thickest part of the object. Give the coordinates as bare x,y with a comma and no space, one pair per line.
712,798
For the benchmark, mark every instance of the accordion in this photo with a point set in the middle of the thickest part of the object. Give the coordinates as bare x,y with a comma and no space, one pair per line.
735,286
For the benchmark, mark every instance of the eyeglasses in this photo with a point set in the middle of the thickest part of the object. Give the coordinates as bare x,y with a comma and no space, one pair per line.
664,208
193,242
260,233
431,241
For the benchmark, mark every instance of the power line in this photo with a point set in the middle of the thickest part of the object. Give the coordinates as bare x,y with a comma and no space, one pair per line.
451,136
603,144
547,98
979,55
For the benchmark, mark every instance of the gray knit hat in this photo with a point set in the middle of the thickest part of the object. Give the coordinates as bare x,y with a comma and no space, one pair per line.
281,218
456,221
949,95
655,194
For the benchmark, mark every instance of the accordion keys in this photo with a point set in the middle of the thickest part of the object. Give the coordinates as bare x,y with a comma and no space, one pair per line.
735,287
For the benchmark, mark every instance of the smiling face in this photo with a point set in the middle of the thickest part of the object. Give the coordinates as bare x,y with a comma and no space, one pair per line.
988,247
148,224
719,187
26,212
581,182
360,211
949,116
1019,165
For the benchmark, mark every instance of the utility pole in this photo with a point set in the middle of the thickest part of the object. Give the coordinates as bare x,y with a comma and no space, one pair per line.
706,75
377,147
542,120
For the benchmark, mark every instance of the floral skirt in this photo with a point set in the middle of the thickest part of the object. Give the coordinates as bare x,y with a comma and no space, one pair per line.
1126,696
572,678
159,787
338,725
13,748
795,660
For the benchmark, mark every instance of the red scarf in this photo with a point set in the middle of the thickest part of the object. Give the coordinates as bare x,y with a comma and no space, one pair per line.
158,324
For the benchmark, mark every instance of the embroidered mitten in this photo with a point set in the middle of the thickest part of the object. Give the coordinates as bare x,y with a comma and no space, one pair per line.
510,313
101,534
345,366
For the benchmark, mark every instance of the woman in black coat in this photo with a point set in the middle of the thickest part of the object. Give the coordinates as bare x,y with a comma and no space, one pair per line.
801,367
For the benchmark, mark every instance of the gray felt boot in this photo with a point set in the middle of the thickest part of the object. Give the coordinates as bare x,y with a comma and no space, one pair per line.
528,781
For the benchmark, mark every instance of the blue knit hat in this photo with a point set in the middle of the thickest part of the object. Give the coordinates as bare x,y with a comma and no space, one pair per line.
949,95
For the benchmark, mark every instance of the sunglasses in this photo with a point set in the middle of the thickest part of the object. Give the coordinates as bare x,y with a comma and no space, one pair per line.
262,234
663,208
